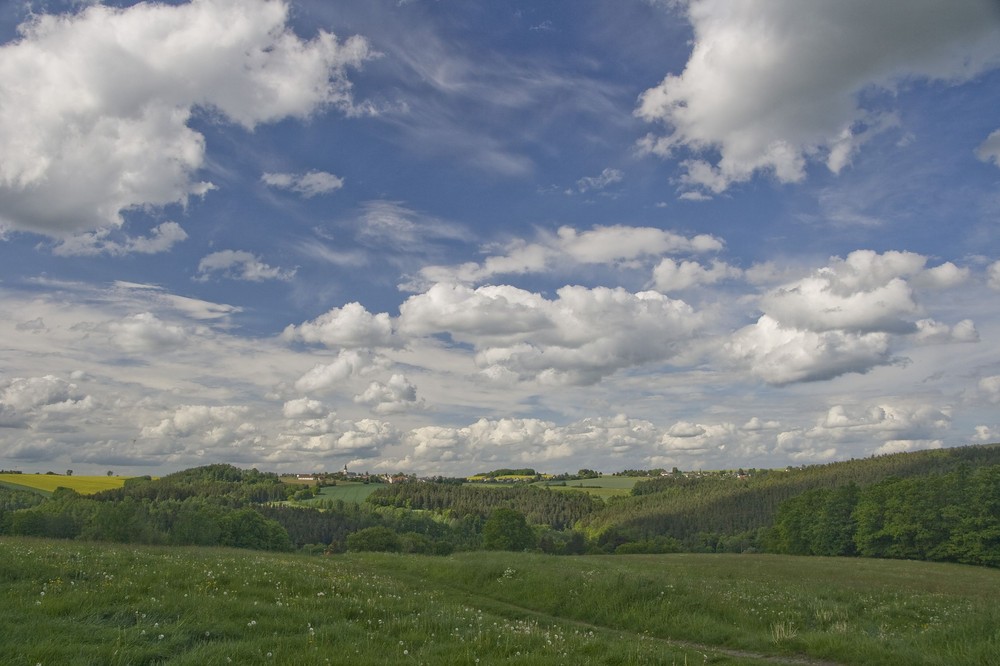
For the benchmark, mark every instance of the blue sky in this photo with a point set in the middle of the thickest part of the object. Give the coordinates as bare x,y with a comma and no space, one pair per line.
444,237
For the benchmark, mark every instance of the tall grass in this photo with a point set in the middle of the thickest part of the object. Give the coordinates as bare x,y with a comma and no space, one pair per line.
81,603
77,603
850,611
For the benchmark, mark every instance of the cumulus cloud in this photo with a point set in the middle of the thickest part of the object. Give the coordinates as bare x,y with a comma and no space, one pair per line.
303,408
240,265
529,441
349,326
349,363
986,434
615,244
211,425
621,243
310,184
901,427
842,317
783,355
95,106
322,437
775,85
23,399
669,275
930,331
103,241
876,428
993,276
145,333
394,396
577,338
991,387
697,439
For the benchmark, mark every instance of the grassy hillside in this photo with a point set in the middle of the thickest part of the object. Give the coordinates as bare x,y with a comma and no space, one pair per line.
80,603
85,485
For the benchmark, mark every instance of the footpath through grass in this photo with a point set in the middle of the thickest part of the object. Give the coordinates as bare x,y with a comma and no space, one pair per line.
81,603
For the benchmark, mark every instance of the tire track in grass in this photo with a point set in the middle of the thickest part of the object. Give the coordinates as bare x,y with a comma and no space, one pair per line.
522,612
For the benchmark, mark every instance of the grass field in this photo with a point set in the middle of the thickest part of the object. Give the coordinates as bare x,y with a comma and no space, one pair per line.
80,603
603,487
85,485
348,491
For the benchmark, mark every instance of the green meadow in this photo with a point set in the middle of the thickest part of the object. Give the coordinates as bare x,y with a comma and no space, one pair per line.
348,491
603,487
85,603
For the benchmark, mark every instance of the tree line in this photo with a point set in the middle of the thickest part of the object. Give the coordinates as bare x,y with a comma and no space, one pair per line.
952,517
937,505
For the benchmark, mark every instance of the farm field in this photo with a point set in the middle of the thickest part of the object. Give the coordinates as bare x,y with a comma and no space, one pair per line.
349,491
85,485
85,603
603,487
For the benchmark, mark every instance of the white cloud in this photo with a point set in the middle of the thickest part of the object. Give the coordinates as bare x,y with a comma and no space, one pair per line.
162,239
621,243
993,275
900,427
904,445
27,401
240,265
986,434
670,275
95,106
842,317
991,387
930,331
578,338
945,276
145,333
773,85
396,395
211,425
390,223
483,314
348,364
616,244
697,439
783,355
318,439
529,441
301,408
310,184
684,429
349,326
989,150
604,179
865,292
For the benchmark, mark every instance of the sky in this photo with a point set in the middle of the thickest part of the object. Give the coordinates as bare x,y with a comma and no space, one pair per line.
448,237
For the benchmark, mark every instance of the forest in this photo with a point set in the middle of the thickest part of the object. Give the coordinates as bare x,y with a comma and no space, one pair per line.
939,505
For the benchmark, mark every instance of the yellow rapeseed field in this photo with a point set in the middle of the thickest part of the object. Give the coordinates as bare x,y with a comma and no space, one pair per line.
85,485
